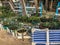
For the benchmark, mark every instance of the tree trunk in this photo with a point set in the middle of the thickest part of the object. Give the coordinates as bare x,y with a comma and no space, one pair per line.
46,5
51,6
36,5
0,3
11,4
23,7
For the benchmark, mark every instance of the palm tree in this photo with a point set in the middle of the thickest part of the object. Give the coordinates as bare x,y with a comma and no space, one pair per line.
23,7
0,3
36,5
46,5
11,4
51,5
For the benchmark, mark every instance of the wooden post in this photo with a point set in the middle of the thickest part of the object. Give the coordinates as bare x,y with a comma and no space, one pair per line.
47,36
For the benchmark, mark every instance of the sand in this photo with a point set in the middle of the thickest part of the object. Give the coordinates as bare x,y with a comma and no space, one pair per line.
7,39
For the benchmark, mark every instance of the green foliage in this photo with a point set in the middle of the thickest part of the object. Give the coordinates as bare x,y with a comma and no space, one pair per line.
6,12
29,19
50,19
13,27
50,22
34,19
51,25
